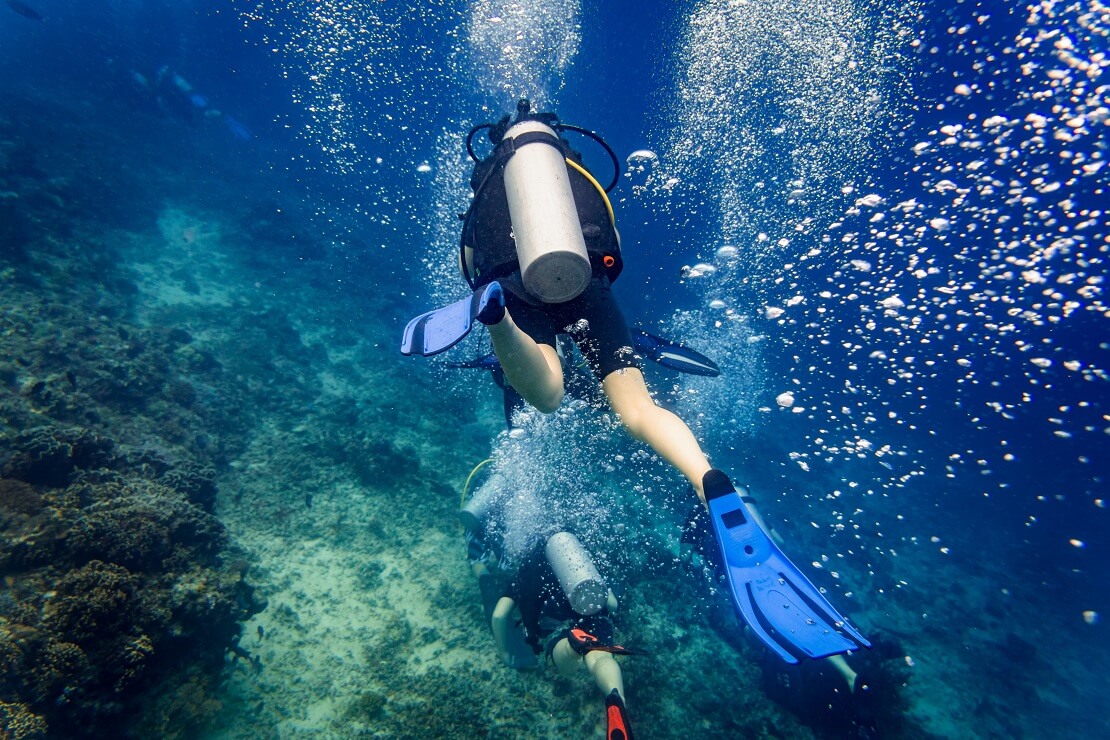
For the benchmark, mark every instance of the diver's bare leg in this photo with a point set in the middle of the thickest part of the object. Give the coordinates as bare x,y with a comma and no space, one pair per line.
606,672
667,434
842,667
534,370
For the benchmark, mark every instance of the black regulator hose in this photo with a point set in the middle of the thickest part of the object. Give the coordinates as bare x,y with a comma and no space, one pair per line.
470,139
604,145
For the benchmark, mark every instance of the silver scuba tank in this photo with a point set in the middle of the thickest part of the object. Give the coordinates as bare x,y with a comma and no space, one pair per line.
477,509
554,264
498,502
577,575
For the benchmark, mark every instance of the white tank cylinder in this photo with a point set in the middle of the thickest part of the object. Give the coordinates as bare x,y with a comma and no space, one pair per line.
478,507
577,575
554,264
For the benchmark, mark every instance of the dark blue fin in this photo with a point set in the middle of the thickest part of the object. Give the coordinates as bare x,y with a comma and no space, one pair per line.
673,355
776,600
24,10
237,129
485,362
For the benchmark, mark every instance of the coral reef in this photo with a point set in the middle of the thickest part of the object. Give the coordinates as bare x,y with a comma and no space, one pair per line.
17,497
18,722
49,456
115,580
72,361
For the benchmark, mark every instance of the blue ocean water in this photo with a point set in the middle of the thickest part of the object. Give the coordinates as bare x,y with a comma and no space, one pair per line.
885,221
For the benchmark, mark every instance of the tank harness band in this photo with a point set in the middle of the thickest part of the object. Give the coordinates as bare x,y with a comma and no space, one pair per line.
508,147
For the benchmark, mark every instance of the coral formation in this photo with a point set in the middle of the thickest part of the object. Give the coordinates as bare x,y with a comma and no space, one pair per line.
115,580
18,722
17,497
49,456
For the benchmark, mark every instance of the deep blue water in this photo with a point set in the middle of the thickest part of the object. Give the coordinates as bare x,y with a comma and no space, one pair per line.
998,457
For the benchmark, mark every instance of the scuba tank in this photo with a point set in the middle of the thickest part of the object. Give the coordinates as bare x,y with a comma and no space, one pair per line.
576,573
498,505
476,511
549,245
538,214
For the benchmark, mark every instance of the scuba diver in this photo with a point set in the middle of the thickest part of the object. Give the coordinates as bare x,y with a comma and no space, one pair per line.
553,602
175,98
550,603
540,249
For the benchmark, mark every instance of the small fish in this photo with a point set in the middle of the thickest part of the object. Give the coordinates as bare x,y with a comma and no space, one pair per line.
24,10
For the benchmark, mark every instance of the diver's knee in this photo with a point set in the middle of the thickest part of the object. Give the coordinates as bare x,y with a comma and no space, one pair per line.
548,401
564,657
633,417
630,399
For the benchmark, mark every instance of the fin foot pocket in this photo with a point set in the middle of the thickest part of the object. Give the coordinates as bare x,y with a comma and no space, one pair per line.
490,307
438,331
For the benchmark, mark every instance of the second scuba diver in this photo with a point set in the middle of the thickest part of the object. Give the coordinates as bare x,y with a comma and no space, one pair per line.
175,98
540,250
564,605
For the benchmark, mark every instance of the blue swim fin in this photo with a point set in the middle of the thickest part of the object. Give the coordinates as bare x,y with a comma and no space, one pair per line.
780,605
673,355
237,129
440,330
